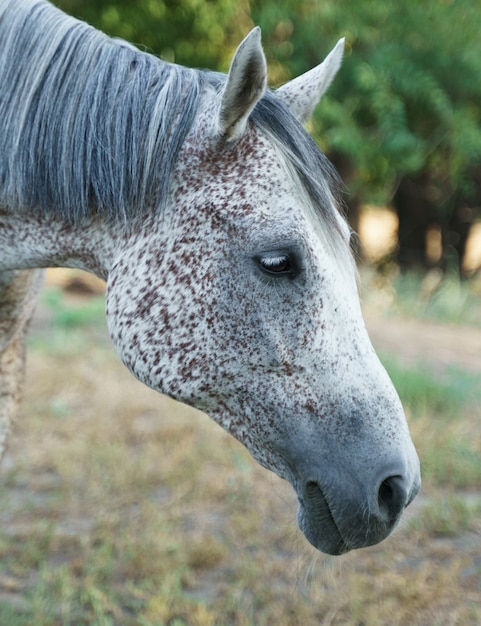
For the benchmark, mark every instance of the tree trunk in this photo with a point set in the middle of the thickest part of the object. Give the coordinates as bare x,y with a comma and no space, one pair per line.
416,215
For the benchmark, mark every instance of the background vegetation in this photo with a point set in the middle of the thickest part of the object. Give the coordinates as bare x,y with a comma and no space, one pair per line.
402,121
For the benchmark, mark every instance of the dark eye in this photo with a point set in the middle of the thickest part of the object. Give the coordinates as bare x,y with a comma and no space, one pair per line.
276,264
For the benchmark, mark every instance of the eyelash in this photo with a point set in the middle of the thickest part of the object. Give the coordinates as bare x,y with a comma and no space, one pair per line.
276,264
279,264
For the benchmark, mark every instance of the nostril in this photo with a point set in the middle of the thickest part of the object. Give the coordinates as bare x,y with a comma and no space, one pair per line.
392,498
311,487
385,492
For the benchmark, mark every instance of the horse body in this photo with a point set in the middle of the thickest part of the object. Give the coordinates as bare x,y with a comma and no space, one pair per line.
230,284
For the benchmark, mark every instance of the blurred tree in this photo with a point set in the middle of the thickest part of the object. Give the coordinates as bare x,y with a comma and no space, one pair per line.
196,33
402,120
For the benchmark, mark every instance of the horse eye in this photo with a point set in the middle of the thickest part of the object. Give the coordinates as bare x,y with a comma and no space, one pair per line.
276,264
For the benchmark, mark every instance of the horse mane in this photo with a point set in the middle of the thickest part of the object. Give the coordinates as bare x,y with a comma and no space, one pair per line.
318,178
88,124
91,125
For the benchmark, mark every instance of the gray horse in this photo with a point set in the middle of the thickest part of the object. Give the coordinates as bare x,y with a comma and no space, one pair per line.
214,219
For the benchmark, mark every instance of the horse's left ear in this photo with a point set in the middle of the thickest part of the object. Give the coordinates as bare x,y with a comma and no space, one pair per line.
246,84
303,93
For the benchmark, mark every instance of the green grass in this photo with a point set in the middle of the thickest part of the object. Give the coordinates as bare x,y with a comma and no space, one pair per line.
445,416
433,296
70,321
448,300
446,393
448,516
73,312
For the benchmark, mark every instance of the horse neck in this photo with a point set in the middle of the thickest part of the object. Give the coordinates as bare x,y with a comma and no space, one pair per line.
33,241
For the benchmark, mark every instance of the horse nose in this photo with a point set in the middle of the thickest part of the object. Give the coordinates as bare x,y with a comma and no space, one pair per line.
393,495
347,512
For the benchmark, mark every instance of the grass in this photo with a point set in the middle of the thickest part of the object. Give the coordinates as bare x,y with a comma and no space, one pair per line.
444,414
422,388
432,296
121,507
86,311
448,515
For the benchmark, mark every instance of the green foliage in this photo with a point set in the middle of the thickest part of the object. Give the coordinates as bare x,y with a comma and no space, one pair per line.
190,32
406,100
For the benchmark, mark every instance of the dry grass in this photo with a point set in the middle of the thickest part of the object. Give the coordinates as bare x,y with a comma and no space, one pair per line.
122,507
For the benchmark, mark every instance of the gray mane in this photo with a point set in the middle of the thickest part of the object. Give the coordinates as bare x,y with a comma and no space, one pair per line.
90,125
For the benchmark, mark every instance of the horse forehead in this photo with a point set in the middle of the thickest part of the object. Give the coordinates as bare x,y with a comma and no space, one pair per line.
251,162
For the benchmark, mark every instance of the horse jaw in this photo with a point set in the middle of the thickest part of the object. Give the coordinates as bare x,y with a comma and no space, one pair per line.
246,84
302,94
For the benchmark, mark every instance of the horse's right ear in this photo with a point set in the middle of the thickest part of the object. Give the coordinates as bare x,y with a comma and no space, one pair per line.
246,84
304,92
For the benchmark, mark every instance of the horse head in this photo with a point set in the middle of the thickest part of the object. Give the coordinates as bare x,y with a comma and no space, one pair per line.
240,299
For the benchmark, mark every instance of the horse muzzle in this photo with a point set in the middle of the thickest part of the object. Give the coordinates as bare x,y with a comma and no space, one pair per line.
336,518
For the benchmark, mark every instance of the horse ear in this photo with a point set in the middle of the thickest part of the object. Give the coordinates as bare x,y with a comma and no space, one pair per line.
303,93
246,84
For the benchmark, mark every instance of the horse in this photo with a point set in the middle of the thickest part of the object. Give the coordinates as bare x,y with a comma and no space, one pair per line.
216,222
